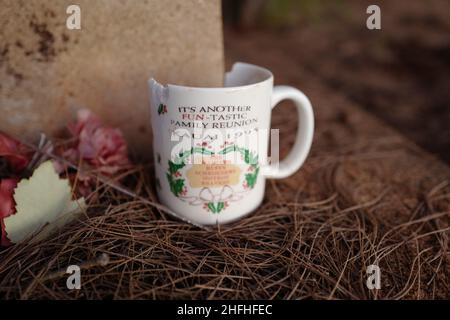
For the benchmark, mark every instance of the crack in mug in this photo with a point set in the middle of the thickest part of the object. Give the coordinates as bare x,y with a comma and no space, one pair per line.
211,144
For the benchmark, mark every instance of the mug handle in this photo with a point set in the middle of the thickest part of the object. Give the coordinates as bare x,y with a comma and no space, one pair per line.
304,137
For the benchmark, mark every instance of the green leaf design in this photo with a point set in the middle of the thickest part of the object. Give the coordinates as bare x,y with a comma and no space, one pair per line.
174,167
253,160
228,149
212,207
176,185
251,178
181,158
160,108
216,208
201,150
220,206
247,156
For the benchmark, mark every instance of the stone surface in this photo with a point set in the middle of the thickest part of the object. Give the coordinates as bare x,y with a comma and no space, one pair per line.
48,71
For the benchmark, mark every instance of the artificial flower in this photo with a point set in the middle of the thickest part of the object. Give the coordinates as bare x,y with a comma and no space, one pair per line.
14,153
17,158
104,148
7,205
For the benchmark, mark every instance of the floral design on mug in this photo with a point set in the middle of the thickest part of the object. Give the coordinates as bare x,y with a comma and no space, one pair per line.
210,201
162,109
174,176
215,203
251,159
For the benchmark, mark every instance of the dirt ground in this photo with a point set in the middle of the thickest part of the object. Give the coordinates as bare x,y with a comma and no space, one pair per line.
399,73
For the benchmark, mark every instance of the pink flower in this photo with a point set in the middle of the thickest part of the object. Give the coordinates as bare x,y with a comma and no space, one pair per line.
14,153
7,205
17,157
102,147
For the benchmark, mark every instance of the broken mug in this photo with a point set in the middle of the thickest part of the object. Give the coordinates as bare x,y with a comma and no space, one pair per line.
211,144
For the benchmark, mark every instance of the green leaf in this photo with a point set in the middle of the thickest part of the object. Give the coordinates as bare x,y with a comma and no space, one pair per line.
212,207
202,151
254,160
176,185
220,206
251,178
227,149
174,167
247,156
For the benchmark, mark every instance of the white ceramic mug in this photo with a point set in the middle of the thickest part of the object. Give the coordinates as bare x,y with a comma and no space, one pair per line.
211,144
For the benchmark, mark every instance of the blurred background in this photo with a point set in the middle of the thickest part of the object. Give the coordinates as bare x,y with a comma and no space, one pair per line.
399,73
